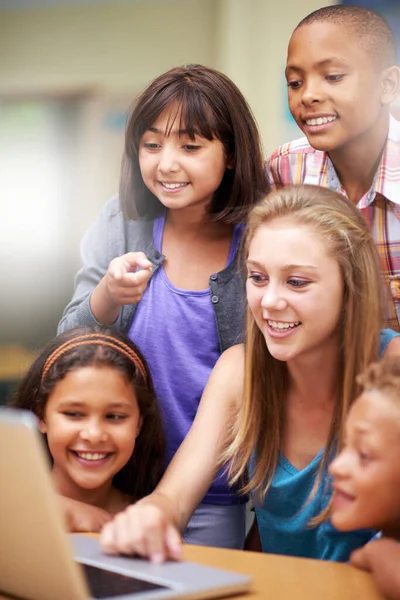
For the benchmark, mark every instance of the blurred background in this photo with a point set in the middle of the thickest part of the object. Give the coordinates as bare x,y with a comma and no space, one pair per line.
69,69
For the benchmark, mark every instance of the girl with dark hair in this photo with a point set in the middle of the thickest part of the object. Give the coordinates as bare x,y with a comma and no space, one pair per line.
160,262
93,395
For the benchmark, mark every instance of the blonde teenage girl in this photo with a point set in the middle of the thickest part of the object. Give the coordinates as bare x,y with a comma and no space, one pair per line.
278,404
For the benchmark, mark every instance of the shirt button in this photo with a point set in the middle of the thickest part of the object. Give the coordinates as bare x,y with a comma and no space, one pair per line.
214,299
214,277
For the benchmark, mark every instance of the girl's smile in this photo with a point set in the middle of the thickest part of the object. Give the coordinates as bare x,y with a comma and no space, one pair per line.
281,328
174,165
91,422
294,289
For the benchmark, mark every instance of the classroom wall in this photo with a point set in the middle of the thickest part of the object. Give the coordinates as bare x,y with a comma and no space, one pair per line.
88,61
115,45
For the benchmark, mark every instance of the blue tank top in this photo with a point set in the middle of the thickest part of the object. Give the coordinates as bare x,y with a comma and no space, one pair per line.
176,331
283,518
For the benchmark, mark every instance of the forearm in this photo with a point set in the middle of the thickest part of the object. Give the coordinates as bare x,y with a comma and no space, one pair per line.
185,483
102,306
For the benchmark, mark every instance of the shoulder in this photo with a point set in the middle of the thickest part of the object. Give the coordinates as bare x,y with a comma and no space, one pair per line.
227,378
283,164
394,131
119,235
112,211
233,355
392,345
230,366
294,148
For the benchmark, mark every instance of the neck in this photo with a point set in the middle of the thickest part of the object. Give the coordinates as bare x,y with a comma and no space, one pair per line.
357,163
101,497
192,222
313,379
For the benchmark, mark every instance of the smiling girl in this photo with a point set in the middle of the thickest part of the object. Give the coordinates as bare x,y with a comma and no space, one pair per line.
93,395
278,404
160,262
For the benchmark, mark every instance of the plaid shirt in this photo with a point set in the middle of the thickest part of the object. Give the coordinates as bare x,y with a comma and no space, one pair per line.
298,162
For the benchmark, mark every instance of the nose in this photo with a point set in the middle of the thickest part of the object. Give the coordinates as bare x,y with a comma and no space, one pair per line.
93,431
339,466
312,92
273,298
168,162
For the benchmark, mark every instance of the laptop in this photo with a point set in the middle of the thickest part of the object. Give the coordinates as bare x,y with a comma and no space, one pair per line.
40,561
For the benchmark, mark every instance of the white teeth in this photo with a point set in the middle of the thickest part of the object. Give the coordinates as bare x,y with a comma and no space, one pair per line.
320,120
281,325
173,186
92,455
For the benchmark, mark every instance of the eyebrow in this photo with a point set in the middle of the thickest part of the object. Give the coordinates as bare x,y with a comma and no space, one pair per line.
177,132
362,429
79,404
284,268
322,63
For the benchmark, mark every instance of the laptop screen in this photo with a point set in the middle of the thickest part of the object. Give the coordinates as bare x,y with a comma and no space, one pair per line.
103,583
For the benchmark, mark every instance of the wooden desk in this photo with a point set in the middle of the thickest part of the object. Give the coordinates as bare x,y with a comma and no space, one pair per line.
287,578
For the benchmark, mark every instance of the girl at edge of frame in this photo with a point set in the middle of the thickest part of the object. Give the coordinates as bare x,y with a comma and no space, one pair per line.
96,406
160,262
314,297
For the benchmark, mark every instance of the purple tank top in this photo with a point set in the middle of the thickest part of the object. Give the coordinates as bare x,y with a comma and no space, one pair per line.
177,333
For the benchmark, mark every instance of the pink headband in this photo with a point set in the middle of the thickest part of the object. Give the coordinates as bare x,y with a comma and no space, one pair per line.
98,339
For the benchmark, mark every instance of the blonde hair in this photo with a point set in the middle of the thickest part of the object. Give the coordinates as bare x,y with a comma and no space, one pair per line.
258,423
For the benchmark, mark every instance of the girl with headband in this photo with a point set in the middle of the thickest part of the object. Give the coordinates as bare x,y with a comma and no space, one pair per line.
93,395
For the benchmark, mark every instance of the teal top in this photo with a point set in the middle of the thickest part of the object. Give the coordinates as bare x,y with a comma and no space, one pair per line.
283,518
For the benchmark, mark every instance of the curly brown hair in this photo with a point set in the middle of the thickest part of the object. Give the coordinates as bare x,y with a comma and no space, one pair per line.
382,376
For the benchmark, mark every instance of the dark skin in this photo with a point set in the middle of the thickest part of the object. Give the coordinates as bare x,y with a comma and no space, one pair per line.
332,76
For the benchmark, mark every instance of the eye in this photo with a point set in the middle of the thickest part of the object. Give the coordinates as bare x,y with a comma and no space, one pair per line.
294,85
297,283
72,414
364,457
257,278
116,417
151,145
191,147
337,77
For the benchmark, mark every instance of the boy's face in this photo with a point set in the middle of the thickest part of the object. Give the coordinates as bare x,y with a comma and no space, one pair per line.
334,87
367,471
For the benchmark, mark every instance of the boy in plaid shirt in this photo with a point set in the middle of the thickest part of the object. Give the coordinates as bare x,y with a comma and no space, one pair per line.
342,77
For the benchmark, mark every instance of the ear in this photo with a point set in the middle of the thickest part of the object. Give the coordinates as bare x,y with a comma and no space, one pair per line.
139,426
42,426
390,84
230,164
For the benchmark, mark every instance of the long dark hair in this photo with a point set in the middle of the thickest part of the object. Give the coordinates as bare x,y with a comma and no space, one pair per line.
103,346
209,104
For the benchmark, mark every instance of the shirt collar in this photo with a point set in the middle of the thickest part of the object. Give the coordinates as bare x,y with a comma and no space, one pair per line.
387,178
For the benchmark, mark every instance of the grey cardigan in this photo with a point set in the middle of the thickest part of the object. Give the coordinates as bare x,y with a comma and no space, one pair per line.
111,236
